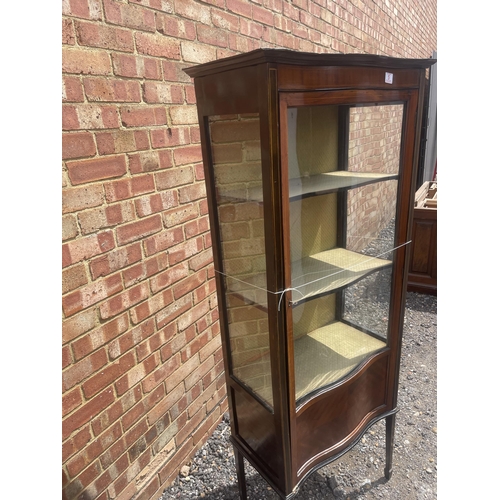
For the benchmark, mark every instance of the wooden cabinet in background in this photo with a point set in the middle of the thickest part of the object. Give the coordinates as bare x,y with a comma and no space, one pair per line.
310,165
422,275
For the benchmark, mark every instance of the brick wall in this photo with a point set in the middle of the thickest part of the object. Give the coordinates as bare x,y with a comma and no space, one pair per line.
142,366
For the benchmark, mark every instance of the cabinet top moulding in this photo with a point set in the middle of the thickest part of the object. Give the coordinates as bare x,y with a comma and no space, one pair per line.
294,58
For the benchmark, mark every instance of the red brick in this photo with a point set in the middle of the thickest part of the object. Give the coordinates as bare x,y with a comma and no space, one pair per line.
184,251
252,29
103,36
164,240
124,301
99,337
181,115
94,116
85,62
113,453
175,27
136,67
93,450
77,145
187,155
84,248
197,227
263,15
138,230
142,117
70,118
225,21
194,314
98,169
128,188
72,91
83,369
168,137
81,198
73,278
187,429
152,306
173,71
168,314
87,9
162,92
168,277
129,339
66,357
101,89
115,260
68,32
149,161
180,215
189,284
71,400
95,220
240,7
211,36
122,141
155,341
78,325
108,375
192,193
193,10
160,374
174,177
201,260
135,376
78,486
114,412
157,45
91,294
156,203
131,16
145,269
84,414
177,344
76,443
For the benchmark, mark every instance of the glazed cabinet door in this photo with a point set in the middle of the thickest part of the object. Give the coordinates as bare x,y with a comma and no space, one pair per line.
342,173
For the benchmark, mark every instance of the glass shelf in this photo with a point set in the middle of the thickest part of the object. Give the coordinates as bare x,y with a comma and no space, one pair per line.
309,186
331,270
327,354
332,181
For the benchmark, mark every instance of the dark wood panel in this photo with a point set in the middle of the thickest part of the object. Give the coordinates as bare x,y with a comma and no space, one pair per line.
305,59
238,93
255,426
324,77
422,275
331,421
422,250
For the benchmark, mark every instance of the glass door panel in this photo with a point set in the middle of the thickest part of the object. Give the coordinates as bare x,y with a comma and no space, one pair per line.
343,165
236,160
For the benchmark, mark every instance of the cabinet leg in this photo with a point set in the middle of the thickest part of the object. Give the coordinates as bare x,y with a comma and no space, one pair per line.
240,473
390,425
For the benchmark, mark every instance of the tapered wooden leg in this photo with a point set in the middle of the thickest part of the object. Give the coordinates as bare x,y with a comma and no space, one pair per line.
240,473
390,425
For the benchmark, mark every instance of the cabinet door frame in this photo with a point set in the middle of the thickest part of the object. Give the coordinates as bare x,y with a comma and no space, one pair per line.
406,180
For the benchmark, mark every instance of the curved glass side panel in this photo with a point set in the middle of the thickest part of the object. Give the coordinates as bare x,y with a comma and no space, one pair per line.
343,167
235,144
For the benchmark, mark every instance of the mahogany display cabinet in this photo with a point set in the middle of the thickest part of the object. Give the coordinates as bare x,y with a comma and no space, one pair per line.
310,165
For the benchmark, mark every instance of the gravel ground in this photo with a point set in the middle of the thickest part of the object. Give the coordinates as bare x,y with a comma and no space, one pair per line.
359,474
